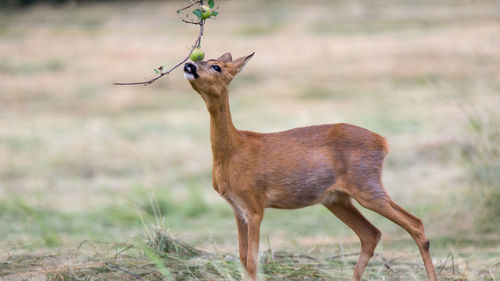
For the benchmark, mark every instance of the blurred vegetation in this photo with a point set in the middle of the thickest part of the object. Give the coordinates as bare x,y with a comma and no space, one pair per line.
483,158
83,162
27,3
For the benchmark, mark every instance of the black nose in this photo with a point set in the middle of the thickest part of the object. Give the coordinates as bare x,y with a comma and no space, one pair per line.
191,69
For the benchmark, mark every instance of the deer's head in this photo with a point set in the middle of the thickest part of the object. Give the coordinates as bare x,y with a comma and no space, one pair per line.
211,77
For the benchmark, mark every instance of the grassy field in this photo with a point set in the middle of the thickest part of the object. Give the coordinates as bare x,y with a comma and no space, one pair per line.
89,171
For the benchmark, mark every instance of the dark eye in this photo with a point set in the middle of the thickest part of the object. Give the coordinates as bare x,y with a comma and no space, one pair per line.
217,68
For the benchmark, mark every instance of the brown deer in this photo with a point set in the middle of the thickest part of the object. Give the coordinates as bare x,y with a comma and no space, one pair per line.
325,164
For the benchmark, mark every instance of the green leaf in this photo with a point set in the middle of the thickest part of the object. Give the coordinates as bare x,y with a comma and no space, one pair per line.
156,71
198,13
214,13
211,3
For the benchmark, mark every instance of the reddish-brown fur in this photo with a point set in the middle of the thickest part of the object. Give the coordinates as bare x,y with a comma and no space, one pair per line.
326,164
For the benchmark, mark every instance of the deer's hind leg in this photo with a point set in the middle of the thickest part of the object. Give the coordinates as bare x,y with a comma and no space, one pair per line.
368,234
373,196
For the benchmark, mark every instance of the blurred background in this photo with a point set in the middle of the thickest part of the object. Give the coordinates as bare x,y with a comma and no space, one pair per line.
82,160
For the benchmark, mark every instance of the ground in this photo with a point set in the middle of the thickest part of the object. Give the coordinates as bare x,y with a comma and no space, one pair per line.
89,170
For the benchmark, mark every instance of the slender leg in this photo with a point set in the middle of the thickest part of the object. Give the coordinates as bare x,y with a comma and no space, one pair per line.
253,221
368,234
420,238
242,240
413,225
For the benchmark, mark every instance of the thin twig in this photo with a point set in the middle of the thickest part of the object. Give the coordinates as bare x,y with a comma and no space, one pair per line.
342,256
384,261
196,44
116,267
191,22
492,277
189,6
442,267
122,250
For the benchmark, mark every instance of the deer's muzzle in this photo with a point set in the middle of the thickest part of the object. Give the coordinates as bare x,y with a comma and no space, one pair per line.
190,71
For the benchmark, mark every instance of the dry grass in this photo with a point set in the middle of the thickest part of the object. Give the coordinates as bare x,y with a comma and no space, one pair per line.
107,261
79,158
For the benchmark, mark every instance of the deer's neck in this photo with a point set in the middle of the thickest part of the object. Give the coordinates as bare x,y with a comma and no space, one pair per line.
223,135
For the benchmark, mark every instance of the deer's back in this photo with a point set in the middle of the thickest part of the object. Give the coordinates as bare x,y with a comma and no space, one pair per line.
344,137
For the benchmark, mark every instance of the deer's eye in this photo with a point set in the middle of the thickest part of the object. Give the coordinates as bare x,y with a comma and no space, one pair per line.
216,68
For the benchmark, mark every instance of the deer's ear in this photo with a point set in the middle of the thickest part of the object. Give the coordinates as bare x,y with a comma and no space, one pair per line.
225,58
238,64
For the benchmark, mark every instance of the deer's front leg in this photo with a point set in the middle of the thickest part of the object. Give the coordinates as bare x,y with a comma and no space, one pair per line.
253,223
242,238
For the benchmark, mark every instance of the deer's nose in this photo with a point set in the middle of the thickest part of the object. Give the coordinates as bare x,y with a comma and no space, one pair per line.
190,68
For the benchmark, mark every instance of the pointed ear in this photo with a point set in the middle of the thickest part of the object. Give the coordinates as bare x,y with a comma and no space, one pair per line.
225,58
238,64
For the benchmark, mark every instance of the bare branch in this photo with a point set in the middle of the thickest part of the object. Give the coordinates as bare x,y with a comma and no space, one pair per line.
196,44
191,22
190,5
149,82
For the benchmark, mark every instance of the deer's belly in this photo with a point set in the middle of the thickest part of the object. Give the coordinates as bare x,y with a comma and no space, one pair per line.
298,188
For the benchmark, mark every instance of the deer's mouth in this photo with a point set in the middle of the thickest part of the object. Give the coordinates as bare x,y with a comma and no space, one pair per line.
190,71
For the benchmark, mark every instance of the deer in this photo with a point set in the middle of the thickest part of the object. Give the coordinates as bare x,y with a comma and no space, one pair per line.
324,164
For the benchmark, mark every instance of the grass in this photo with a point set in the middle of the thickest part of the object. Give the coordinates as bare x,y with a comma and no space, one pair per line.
81,160
166,258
